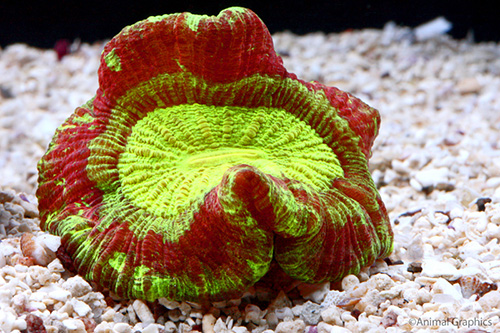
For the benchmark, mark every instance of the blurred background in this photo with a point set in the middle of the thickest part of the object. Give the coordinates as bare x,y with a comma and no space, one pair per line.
42,23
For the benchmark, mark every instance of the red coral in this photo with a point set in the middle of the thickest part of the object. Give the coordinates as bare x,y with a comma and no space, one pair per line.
201,162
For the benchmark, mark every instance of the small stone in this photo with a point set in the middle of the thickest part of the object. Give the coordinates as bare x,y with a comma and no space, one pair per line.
471,249
220,305
74,325
433,268
104,327
468,85
332,315
253,314
33,322
77,286
444,292
349,282
208,323
283,313
175,315
5,217
414,267
55,266
291,326
151,328
171,328
169,304
59,294
143,312
333,298
132,318
7,195
423,296
324,328
120,318
81,308
432,29
380,282
338,329
122,328
432,177
314,292
32,247
108,315
272,318
15,210
390,319
240,329
490,301
30,210
297,309
50,242
410,294
311,313
220,326
185,308
281,301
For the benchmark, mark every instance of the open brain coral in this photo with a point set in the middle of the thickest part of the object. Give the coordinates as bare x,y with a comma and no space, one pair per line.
201,161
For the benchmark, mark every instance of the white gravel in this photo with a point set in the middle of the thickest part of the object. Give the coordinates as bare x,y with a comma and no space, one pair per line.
436,161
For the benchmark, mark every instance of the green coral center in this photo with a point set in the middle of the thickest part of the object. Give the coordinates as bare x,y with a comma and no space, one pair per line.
175,156
223,156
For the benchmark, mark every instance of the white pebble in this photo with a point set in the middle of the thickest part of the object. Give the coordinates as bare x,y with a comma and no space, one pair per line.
151,328
104,327
59,294
444,292
77,286
81,308
349,282
339,329
171,328
240,329
380,282
55,266
208,323
490,301
471,249
332,315
108,315
431,29
122,328
220,326
49,241
290,326
432,177
332,298
434,268
143,312
324,327
74,325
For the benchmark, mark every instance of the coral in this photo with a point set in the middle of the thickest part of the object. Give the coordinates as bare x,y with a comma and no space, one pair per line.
201,161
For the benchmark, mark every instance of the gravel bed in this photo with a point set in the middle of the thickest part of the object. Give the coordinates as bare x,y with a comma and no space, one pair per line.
436,162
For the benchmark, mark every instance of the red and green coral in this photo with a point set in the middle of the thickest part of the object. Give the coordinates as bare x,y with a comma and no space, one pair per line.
201,161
